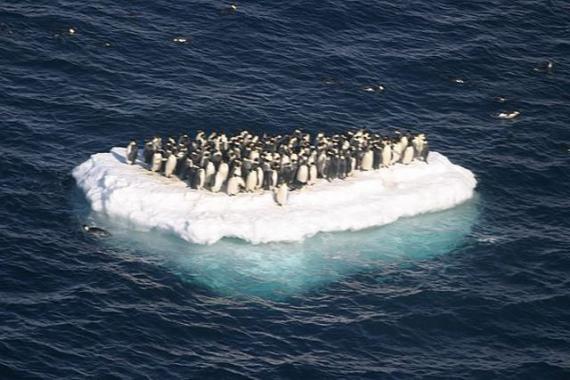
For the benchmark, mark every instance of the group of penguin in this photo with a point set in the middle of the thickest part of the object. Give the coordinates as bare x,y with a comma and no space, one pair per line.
250,163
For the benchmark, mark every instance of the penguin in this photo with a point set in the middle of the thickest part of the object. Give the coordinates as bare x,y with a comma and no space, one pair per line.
313,175
408,154
396,153
508,115
199,179
281,193
260,175
210,172
170,165
132,152
251,181
425,152
418,143
156,162
302,175
342,167
377,157
332,168
321,163
235,183
96,231
220,177
545,67
386,155
367,160
148,152
186,164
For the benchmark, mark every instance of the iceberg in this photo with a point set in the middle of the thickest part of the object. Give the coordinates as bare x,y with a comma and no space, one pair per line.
146,200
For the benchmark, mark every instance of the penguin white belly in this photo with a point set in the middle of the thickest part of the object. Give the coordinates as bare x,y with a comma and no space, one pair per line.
313,175
367,160
210,173
386,156
156,162
170,166
302,174
131,153
220,177
251,182
234,185
201,179
396,155
281,194
403,145
408,155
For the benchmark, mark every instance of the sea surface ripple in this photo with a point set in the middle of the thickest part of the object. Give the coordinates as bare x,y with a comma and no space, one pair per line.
494,304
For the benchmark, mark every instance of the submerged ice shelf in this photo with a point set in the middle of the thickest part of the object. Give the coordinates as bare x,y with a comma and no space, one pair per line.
150,201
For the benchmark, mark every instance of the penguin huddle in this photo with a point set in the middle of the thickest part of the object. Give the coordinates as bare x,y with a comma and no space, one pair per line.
250,163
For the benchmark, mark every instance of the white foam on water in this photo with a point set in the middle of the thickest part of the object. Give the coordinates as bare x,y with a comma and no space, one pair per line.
149,201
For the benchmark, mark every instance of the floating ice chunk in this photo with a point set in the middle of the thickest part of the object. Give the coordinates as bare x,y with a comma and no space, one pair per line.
148,200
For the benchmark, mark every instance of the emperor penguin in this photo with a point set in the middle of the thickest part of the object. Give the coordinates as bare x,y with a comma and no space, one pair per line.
235,183
156,162
170,165
386,155
220,177
281,194
251,181
408,154
367,160
132,152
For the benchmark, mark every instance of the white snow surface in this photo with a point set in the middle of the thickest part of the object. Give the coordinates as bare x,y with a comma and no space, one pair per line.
149,200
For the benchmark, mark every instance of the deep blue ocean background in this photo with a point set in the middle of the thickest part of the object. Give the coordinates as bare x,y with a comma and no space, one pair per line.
478,292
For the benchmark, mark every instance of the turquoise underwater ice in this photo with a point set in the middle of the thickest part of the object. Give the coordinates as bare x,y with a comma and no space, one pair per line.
279,270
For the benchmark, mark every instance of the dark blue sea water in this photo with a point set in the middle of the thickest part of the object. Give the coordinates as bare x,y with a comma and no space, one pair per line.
481,291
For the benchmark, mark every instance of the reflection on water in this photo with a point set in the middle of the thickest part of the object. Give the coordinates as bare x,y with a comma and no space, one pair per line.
278,270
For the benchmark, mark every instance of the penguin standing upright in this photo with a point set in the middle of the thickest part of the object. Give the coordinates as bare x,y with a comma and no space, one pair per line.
199,179
281,194
210,172
148,152
408,154
220,177
156,162
367,160
170,165
396,153
302,176
235,183
251,180
132,152
313,175
386,155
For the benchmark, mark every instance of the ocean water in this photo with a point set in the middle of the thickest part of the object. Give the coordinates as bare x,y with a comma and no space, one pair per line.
479,291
